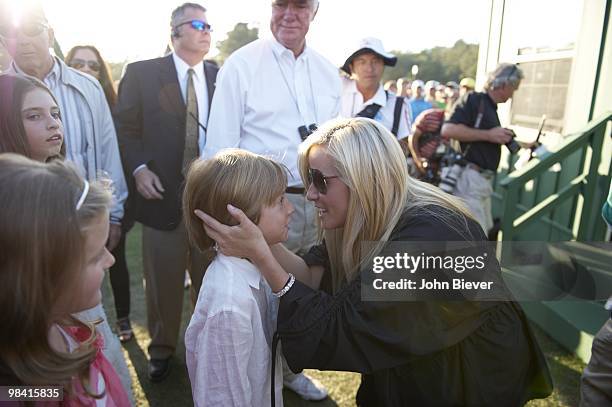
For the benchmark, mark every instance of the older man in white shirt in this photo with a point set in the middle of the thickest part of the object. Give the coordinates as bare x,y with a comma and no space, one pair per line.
271,94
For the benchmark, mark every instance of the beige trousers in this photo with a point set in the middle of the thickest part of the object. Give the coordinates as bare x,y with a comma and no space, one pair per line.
302,228
166,255
475,190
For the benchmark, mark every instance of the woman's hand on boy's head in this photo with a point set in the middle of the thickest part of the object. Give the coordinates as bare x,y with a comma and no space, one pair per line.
242,240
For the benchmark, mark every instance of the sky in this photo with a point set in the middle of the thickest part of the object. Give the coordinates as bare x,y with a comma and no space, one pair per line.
134,29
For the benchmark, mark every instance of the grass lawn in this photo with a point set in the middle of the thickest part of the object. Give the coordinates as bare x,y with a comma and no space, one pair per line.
176,391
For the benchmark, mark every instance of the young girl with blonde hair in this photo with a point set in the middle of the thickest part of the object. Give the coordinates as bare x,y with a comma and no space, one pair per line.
53,230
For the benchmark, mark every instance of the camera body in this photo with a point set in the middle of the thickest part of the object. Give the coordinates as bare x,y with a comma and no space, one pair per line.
306,131
453,164
512,145
449,177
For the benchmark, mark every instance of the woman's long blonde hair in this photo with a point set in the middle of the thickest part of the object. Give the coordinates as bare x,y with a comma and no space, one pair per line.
42,242
370,161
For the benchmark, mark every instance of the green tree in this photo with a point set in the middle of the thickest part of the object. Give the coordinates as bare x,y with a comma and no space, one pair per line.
238,37
440,63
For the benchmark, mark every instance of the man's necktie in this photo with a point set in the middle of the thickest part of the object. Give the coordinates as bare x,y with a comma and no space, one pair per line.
191,125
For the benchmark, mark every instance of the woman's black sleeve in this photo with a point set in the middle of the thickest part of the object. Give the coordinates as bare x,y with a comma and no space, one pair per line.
341,332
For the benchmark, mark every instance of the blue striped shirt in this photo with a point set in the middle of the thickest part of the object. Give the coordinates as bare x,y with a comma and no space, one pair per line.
72,114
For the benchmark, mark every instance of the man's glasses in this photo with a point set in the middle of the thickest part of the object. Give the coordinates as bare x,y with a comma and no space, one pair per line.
316,178
78,63
31,29
197,25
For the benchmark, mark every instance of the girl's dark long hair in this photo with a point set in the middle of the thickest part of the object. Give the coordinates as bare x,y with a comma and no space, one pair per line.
13,137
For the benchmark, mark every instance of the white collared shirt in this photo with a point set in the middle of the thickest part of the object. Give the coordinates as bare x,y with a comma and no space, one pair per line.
229,338
264,94
353,103
201,90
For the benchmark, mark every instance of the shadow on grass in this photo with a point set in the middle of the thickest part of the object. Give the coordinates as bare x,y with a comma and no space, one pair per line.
565,369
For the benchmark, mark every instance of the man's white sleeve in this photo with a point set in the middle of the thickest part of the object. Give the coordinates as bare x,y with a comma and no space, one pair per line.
226,112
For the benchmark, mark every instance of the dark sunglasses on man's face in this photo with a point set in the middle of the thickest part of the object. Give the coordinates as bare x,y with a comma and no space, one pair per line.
197,25
30,28
316,178
78,63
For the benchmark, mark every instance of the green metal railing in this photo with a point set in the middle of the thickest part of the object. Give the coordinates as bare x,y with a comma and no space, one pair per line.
580,190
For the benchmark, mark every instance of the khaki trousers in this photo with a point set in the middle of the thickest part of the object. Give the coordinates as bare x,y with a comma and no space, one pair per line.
475,190
166,256
302,227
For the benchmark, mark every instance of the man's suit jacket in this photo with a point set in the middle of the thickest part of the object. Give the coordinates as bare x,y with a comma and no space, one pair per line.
150,121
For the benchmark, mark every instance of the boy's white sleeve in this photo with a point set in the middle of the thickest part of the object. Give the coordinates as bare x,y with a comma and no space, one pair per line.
218,359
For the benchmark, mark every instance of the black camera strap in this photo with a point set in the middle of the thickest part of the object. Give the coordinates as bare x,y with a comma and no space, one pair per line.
477,122
399,101
370,111
294,97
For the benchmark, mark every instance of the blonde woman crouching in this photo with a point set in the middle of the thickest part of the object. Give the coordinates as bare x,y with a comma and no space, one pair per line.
422,353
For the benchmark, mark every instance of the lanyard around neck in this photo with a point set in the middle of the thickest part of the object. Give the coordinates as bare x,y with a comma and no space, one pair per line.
294,97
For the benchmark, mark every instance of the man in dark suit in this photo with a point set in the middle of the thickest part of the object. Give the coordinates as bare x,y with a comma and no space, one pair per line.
161,119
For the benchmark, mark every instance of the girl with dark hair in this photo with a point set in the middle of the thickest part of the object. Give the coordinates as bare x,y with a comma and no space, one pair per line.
30,119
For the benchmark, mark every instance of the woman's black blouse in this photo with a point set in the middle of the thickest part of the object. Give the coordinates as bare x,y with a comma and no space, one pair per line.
428,353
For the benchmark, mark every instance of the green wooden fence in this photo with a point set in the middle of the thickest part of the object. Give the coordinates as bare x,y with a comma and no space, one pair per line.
556,193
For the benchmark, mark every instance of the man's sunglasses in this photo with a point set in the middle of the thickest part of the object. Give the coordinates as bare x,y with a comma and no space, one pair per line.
316,178
197,25
31,29
78,63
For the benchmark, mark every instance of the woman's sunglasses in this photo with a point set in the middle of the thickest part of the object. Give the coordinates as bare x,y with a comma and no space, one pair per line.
316,178
197,25
31,29
78,63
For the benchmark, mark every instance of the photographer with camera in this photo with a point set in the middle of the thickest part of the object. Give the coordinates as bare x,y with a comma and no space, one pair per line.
475,124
